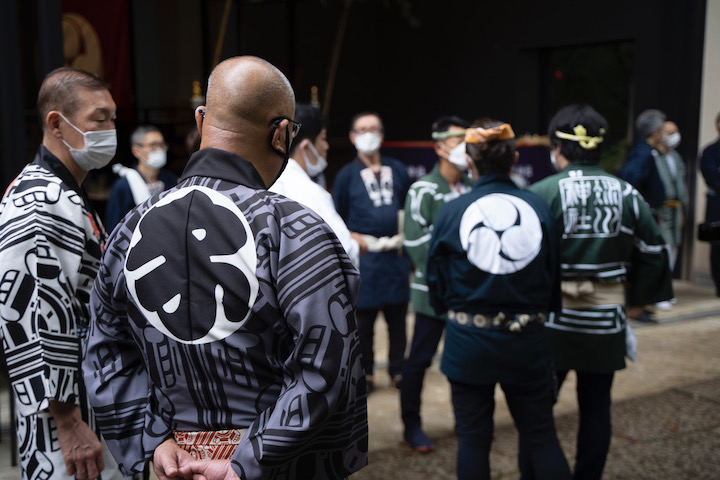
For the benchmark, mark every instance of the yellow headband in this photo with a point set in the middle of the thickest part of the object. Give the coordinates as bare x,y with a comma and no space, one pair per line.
445,135
581,136
484,135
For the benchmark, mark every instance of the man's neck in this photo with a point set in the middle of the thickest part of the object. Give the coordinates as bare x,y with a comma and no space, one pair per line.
373,160
62,153
148,173
449,172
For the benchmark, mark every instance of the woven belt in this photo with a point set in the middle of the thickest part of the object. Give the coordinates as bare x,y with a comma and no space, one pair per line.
672,203
512,322
213,445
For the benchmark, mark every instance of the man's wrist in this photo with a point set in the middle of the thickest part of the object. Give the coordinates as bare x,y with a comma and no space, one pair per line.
66,415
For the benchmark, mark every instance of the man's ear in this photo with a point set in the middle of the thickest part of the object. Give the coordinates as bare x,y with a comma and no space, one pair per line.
279,139
135,150
304,144
52,123
200,118
517,157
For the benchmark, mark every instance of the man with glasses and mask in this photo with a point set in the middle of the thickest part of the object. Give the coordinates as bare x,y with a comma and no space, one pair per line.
223,339
445,182
51,240
369,194
144,179
308,159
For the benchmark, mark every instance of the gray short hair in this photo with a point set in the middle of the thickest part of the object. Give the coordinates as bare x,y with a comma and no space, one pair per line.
648,122
139,134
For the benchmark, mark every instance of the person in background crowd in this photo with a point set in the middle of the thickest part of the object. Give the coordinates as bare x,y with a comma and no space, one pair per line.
639,169
223,343
609,239
493,267
671,215
445,182
51,240
144,179
307,159
369,195
710,168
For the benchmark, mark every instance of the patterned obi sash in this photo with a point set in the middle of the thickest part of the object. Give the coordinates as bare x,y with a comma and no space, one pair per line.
213,445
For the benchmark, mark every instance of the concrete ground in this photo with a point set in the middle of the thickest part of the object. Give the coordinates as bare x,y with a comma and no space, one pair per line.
666,408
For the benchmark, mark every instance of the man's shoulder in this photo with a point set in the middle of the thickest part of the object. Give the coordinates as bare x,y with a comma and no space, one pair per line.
36,184
121,184
641,150
429,181
394,163
348,169
712,148
546,184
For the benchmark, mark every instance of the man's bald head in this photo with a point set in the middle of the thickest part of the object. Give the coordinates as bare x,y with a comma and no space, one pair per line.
247,89
249,111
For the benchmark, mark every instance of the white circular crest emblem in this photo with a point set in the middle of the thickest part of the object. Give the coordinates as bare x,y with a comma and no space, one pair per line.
500,233
191,271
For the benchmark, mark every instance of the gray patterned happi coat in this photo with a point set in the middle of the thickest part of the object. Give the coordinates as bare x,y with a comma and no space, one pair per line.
221,305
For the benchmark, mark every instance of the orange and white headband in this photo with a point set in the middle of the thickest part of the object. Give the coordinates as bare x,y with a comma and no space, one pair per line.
484,135
581,136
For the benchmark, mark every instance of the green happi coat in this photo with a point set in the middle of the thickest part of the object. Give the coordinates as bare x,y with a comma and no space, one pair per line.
671,169
422,203
608,236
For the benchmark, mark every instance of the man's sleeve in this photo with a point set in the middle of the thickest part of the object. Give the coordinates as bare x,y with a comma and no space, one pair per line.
710,167
340,194
436,266
115,373
650,277
317,428
42,248
418,224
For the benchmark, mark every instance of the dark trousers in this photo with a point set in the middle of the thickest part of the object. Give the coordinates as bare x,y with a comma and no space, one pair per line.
712,214
426,336
540,456
593,442
395,319
715,266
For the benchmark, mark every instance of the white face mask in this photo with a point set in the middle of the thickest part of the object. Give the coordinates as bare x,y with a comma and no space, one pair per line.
157,158
313,170
368,142
672,140
458,156
100,147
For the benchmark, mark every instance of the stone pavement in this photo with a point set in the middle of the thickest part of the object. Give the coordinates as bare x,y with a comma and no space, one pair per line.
666,408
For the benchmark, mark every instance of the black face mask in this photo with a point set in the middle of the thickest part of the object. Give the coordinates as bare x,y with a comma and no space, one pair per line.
285,155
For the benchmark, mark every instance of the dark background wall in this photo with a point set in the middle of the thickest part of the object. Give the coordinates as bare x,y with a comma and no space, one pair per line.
410,61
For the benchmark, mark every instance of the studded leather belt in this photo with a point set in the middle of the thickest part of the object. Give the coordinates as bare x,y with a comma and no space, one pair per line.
514,322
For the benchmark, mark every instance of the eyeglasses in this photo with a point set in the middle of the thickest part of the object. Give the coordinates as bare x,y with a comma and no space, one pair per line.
360,131
275,122
155,146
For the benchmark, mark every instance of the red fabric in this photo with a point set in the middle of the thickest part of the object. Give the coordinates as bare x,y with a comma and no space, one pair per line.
218,445
111,20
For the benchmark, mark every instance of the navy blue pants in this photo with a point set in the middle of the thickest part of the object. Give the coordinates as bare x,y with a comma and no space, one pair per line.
595,430
426,337
540,456
397,338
